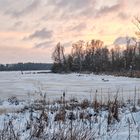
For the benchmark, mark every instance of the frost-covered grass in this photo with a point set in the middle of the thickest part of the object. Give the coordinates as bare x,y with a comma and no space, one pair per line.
70,119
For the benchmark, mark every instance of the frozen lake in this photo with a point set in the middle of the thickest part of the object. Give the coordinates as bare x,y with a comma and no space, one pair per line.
85,85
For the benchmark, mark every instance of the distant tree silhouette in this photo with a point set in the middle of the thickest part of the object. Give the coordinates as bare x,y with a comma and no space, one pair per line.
25,66
78,54
137,24
93,56
59,59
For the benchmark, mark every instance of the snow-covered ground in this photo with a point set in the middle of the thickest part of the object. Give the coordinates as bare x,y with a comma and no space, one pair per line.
23,118
83,85
26,123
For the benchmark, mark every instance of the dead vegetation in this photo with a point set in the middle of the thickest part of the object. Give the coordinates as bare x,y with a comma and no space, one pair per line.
69,119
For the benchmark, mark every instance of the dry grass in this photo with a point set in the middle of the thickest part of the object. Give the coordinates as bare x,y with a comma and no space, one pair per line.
3,111
66,114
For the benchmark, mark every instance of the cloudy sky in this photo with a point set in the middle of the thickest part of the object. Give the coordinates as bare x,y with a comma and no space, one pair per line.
29,29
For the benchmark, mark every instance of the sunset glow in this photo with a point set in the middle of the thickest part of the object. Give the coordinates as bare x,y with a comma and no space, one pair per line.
30,29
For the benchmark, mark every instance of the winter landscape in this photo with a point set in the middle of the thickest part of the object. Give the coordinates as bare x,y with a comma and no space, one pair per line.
70,70
68,106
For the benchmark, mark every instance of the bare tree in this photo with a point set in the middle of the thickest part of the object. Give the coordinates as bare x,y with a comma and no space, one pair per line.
137,24
77,53
58,54
59,58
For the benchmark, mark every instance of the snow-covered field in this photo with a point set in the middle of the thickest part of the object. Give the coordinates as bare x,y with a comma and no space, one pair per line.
83,85
32,117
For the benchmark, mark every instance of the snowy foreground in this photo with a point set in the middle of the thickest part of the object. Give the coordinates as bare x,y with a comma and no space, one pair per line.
68,107
70,120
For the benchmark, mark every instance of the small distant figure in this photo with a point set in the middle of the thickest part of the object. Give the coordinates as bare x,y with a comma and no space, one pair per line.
64,94
105,80
21,72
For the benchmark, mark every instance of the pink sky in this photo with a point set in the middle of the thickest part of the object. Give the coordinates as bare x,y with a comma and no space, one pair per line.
30,29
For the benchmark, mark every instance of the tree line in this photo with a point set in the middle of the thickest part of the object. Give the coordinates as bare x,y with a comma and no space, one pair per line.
25,66
93,56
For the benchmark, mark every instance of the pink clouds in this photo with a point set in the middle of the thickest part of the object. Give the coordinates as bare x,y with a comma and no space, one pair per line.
45,23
